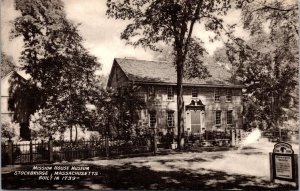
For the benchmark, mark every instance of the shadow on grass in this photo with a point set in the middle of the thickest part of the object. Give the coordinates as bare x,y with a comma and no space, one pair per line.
252,153
128,176
195,160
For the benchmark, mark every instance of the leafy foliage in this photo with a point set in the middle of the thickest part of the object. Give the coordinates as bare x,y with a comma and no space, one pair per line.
54,56
268,63
7,64
116,112
220,55
7,131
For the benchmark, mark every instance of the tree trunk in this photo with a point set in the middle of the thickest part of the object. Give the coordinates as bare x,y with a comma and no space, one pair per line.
277,115
76,133
180,103
71,128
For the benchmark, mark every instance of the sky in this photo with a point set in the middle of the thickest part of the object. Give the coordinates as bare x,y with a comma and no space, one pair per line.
102,35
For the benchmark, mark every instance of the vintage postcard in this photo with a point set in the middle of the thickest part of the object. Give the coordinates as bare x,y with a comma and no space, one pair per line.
149,94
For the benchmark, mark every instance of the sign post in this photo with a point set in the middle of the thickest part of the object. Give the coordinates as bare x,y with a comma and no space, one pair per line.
283,163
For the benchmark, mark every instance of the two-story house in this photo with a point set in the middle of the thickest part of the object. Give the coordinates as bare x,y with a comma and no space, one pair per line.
214,103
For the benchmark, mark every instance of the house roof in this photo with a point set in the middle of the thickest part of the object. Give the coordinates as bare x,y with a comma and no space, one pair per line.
142,71
6,80
21,73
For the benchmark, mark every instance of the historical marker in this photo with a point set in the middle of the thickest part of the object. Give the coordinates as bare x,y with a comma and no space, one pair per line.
283,148
283,163
283,167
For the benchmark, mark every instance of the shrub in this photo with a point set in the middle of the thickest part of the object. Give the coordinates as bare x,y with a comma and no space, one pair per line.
10,130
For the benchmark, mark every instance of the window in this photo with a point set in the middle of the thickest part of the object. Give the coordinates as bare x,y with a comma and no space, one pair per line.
170,119
170,93
194,92
228,95
218,117
152,119
217,94
229,117
151,92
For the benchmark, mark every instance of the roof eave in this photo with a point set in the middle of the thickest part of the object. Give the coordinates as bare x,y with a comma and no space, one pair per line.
115,64
108,84
187,84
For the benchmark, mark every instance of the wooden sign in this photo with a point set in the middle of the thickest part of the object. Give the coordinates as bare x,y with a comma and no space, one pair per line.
283,163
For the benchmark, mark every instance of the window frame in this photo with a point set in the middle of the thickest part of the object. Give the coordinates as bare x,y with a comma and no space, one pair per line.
170,97
172,120
151,115
194,90
215,95
229,116
228,96
151,91
216,117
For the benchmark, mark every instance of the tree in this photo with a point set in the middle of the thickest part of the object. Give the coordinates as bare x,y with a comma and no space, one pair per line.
267,64
116,112
220,57
171,22
60,66
7,64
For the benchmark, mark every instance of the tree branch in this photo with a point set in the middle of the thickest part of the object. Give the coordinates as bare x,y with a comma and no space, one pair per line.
197,11
183,23
174,19
266,7
229,34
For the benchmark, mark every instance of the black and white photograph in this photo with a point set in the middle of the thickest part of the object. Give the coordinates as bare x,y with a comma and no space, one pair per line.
149,94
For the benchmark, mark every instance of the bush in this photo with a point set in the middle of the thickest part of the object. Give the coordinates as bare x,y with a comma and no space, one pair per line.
10,130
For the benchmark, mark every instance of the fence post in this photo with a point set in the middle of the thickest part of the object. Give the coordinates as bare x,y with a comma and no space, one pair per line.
50,148
296,170
10,152
30,152
232,137
155,144
271,167
241,134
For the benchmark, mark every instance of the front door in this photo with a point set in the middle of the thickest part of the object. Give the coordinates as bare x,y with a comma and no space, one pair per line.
197,121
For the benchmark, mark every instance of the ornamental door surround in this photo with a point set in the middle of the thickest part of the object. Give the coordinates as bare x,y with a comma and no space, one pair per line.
195,117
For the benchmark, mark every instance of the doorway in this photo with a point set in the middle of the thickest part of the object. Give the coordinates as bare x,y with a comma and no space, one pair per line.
197,121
